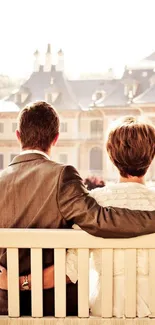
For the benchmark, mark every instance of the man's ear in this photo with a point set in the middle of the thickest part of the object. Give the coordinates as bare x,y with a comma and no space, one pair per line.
55,140
18,135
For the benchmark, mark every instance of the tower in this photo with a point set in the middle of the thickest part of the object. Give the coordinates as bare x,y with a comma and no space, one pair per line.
36,61
48,59
60,62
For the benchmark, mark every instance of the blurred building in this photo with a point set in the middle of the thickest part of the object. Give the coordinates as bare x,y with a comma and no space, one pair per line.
86,108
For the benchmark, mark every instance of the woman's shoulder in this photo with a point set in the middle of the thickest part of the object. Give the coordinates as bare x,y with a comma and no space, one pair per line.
129,195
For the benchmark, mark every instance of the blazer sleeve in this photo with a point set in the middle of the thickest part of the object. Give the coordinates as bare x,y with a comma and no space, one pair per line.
77,206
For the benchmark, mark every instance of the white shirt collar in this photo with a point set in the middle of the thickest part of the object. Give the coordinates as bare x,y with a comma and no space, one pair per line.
25,152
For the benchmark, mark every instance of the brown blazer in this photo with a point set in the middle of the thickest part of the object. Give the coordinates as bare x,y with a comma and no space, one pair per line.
39,193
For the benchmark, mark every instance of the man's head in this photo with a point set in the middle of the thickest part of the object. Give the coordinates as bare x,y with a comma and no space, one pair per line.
38,126
131,145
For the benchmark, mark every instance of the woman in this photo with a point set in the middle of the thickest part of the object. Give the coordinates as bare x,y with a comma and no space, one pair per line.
131,148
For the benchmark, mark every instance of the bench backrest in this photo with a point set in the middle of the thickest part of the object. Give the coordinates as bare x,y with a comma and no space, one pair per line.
59,240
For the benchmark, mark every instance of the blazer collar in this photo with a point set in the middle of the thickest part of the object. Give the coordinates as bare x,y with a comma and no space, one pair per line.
27,157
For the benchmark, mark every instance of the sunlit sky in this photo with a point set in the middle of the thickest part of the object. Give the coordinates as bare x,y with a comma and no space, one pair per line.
94,34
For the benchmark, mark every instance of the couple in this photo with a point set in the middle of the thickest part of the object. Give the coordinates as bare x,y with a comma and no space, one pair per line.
39,193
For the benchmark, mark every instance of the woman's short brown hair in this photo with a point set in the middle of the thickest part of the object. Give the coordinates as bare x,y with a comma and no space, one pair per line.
131,145
38,125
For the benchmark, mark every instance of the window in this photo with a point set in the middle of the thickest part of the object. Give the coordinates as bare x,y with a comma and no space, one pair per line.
14,127
1,127
95,159
96,127
13,155
63,158
63,127
1,161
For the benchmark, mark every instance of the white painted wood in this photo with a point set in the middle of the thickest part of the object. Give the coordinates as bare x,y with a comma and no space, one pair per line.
83,282
130,283
36,282
58,238
62,239
13,282
60,282
152,281
75,321
107,282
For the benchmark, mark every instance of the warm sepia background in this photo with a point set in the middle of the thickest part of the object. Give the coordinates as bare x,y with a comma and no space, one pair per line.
94,61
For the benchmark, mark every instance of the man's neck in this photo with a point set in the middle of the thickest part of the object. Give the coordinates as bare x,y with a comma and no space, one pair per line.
132,179
35,150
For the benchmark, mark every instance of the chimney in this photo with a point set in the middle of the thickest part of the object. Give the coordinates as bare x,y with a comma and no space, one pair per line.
60,62
48,59
36,61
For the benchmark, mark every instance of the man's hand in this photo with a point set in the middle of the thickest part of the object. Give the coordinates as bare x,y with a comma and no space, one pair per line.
3,278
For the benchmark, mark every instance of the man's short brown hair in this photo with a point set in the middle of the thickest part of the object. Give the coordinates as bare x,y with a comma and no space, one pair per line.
38,125
131,145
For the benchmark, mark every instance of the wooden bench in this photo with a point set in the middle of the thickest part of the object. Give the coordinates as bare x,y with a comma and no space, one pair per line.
59,240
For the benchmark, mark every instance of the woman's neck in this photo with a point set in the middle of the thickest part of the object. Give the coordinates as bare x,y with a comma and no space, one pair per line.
132,179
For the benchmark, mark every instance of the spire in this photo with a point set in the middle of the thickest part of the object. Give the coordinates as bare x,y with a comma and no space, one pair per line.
36,53
60,52
36,61
48,59
60,62
48,49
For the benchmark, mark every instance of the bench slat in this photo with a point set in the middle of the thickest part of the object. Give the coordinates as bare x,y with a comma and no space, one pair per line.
83,282
130,283
152,282
107,283
60,282
13,282
37,282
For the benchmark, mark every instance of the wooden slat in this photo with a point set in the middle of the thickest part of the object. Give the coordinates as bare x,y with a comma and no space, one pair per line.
60,282
107,283
130,283
83,282
36,282
58,238
152,282
13,282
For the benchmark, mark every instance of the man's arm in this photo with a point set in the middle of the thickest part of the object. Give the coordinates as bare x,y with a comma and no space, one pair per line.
76,205
48,279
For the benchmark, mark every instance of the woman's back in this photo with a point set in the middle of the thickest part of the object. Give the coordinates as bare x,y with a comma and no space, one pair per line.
133,196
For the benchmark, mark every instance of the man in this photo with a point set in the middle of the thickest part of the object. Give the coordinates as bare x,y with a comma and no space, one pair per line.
39,193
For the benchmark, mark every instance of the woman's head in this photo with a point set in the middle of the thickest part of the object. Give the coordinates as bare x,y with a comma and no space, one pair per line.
131,145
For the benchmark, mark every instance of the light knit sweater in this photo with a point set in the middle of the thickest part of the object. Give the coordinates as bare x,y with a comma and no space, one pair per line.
133,196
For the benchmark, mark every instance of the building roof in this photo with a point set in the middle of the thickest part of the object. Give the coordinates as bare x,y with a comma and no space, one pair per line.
80,94
116,97
148,96
39,82
151,57
84,89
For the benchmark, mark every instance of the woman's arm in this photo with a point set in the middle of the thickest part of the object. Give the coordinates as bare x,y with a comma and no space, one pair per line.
48,279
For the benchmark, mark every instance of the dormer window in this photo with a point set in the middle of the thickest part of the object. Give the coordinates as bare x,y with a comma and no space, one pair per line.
130,90
98,95
130,94
144,74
